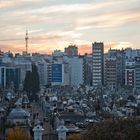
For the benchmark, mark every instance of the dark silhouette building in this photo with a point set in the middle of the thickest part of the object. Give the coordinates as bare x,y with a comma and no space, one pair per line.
71,50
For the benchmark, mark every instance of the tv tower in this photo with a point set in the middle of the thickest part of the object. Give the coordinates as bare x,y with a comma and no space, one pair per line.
26,40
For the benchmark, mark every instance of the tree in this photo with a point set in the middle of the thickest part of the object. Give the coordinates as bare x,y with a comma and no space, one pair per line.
118,129
115,129
18,134
28,82
35,79
75,137
31,83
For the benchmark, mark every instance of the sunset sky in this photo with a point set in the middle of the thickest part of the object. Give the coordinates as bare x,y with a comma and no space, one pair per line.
54,24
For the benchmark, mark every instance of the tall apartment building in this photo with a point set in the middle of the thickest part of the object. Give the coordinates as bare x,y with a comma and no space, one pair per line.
57,74
87,67
76,71
111,73
119,55
98,64
129,73
43,72
137,73
9,75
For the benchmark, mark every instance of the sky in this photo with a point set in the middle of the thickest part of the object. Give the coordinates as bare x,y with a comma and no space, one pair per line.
54,24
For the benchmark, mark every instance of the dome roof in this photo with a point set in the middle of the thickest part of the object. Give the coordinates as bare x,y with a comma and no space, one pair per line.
18,113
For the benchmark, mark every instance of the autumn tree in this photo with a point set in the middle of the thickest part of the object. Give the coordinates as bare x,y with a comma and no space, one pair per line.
121,129
113,129
18,134
75,137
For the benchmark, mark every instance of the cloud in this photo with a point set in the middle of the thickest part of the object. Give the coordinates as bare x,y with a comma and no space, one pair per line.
82,16
48,47
5,46
15,3
118,45
87,46
56,36
108,20
18,48
65,22
84,48
12,47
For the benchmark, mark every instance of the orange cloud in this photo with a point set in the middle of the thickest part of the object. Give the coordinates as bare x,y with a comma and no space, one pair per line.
117,45
84,48
12,48
48,48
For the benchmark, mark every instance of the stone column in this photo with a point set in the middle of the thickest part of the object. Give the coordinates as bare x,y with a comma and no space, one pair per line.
38,131
62,130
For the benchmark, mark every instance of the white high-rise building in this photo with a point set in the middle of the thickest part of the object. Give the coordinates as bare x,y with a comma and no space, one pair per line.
43,72
76,71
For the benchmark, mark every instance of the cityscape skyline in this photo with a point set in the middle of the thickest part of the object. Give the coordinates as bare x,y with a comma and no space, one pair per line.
55,24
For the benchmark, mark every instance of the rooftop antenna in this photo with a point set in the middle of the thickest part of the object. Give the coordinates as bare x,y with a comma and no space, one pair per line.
26,40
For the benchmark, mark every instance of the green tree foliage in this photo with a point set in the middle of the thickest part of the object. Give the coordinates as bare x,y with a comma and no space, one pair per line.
31,83
35,79
28,82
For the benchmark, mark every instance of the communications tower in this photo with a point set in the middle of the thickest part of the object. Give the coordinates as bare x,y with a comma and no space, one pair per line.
26,40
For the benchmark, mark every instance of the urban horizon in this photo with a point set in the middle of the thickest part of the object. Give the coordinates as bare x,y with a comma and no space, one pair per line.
106,49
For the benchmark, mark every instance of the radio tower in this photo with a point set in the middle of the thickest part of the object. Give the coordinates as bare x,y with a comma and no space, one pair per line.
26,40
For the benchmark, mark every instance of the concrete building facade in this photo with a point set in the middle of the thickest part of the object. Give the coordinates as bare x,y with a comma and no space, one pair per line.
111,73
130,74
76,71
98,64
137,73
